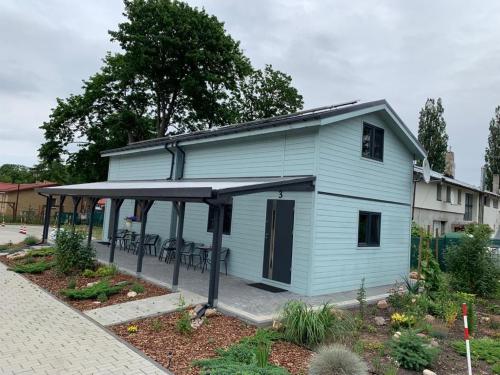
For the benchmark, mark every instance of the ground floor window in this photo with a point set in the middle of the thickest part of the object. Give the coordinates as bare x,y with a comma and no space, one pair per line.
228,214
369,228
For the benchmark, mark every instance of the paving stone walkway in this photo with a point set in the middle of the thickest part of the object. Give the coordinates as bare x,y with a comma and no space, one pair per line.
125,312
41,335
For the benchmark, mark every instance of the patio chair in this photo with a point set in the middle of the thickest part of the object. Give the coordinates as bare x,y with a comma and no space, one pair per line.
131,242
120,235
150,242
167,249
198,255
224,255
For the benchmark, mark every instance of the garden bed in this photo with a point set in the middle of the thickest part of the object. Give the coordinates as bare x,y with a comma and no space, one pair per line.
55,283
177,351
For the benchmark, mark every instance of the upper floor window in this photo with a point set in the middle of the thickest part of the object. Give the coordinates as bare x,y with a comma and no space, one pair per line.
438,192
228,213
373,142
495,203
486,201
448,194
459,198
369,229
468,207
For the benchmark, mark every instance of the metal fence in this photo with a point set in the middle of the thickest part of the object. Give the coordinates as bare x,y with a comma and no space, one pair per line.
439,246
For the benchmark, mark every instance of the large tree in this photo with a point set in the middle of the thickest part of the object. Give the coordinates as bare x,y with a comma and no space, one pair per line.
16,173
432,133
492,154
178,71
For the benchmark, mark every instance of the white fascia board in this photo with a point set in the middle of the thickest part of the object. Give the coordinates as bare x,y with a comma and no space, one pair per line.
242,134
134,150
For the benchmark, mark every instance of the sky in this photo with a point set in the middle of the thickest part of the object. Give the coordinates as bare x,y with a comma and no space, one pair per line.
336,51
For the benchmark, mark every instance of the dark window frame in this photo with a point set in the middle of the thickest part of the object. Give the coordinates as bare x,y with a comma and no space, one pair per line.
469,204
486,201
368,230
495,202
459,198
439,194
228,218
373,130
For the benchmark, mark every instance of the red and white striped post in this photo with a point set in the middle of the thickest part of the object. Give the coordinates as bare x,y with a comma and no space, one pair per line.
466,336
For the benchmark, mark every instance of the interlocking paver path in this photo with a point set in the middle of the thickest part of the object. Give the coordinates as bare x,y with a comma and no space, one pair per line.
40,335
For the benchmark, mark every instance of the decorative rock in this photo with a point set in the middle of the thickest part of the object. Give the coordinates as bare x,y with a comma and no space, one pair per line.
382,304
429,319
196,323
17,255
131,294
96,302
421,335
192,314
485,319
91,284
379,320
428,372
121,283
434,343
397,335
210,312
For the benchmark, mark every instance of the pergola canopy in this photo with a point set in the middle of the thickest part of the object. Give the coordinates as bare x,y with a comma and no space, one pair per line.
182,190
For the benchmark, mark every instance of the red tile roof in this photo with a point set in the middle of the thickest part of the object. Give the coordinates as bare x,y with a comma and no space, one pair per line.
6,187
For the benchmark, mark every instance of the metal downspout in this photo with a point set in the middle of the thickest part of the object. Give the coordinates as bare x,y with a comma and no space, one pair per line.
171,163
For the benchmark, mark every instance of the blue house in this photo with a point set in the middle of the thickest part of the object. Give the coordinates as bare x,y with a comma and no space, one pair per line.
314,201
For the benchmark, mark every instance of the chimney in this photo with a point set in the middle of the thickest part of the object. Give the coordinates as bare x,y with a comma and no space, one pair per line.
496,184
449,168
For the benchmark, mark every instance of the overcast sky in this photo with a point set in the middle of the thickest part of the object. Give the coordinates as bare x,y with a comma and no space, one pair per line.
403,51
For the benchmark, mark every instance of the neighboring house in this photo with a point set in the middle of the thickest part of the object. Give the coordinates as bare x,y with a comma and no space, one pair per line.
22,201
354,223
447,205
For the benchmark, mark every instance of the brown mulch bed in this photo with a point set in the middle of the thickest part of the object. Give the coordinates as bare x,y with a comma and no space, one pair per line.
54,283
448,360
177,351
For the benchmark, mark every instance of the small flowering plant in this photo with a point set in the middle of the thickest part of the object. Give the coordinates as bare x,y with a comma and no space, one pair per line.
402,320
132,329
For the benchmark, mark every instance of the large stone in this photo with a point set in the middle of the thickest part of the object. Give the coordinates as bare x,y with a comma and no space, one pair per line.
197,308
17,255
196,323
210,312
92,284
379,320
382,304
131,294
422,335
414,275
397,335
428,372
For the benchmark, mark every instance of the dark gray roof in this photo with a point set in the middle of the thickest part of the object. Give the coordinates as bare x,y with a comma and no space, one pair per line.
187,189
302,116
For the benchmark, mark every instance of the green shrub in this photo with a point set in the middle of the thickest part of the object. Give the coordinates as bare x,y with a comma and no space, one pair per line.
343,326
88,273
34,268
496,368
106,271
486,349
247,357
137,287
412,352
91,292
470,264
31,240
431,272
46,251
183,323
361,298
72,253
337,359
72,283
102,297
304,325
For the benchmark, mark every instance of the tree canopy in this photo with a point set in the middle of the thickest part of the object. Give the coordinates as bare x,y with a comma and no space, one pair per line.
16,174
492,154
432,133
178,71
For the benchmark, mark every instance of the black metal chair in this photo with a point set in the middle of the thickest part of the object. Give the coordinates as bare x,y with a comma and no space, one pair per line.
197,254
120,235
224,255
151,242
167,249
131,242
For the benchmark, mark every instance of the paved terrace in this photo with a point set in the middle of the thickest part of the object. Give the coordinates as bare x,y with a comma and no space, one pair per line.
235,295
41,335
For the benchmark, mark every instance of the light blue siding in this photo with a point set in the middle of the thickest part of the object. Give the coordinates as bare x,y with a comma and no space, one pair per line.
338,264
285,153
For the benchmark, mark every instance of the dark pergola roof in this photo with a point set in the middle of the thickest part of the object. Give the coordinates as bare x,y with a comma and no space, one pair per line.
182,190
